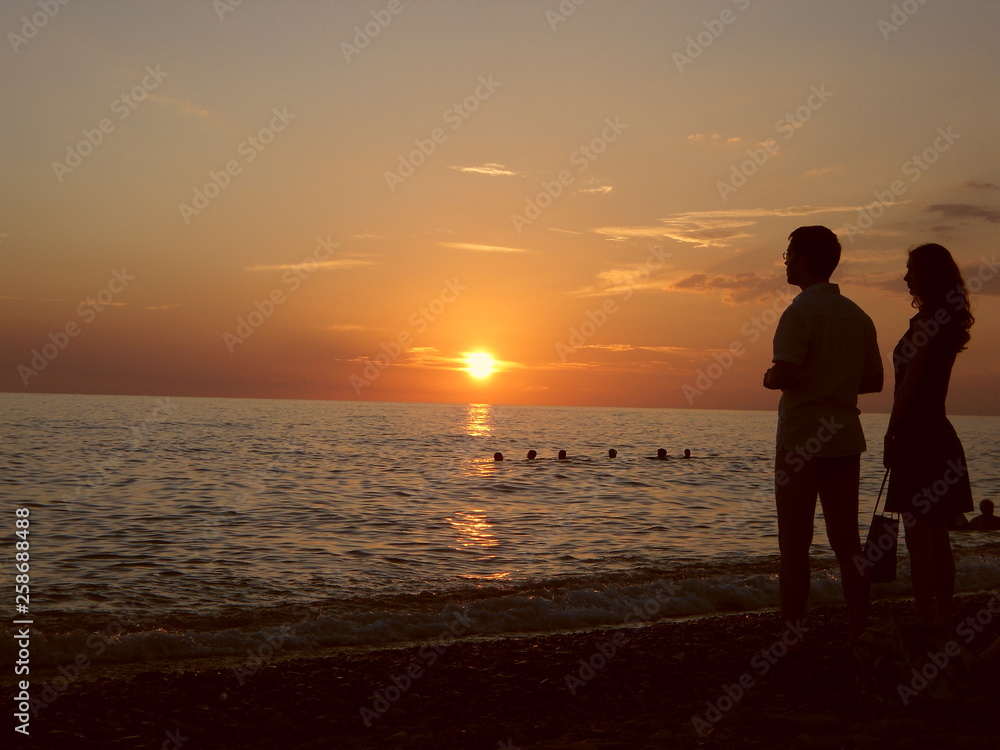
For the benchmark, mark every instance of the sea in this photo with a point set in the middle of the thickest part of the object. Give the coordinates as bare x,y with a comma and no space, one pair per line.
165,528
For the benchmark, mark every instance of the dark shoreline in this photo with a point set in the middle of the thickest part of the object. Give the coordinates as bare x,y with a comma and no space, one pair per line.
634,688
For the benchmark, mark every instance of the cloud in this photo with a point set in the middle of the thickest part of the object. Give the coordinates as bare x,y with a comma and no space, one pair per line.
623,280
981,279
602,189
712,138
721,228
348,327
490,169
161,307
966,211
982,185
746,286
326,265
182,106
484,248
635,348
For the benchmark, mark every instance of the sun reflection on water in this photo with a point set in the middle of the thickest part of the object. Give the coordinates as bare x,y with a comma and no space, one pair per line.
473,531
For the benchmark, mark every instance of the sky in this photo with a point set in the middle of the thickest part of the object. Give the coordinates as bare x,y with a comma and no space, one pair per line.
345,200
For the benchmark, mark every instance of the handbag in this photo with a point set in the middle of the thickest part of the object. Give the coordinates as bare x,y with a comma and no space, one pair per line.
882,543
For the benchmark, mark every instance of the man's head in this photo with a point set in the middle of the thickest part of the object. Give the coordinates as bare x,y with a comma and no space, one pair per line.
986,507
813,254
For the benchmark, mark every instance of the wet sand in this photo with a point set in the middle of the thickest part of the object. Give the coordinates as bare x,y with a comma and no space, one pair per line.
736,681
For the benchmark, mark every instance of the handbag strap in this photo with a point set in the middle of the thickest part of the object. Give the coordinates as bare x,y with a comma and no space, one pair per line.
880,490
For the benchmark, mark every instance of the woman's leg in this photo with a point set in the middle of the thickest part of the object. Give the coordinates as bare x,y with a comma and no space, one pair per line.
919,543
944,571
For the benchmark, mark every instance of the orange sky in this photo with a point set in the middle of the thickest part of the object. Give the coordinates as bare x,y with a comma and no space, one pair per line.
340,200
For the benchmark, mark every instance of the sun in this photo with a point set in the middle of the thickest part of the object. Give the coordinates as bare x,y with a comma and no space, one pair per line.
479,364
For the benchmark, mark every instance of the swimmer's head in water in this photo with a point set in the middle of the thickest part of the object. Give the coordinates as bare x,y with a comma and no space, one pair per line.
562,455
498,456
532,454
661,452
612,453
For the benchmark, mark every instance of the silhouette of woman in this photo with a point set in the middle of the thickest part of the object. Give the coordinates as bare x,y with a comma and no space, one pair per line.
929,480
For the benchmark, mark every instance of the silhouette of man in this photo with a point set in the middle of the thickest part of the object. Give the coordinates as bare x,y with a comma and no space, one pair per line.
612,453
661,455
532,455
498,456
987,521
825,354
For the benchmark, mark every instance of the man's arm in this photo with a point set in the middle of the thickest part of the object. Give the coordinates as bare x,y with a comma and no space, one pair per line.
873,379
781,375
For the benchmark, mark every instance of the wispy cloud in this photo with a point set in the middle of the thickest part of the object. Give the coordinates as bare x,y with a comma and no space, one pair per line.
490,169
719,228
982,185
484,248
182,106
747,286
341,264
635,348
966,211
599,189
348,327
712,138
622,280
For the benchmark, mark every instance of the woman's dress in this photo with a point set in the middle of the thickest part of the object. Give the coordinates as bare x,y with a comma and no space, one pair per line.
929,475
